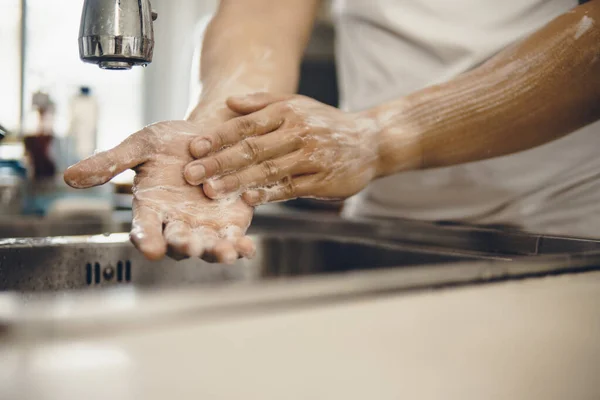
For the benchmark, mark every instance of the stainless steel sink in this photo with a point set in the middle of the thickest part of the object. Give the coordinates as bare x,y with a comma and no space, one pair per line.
36,264
486,240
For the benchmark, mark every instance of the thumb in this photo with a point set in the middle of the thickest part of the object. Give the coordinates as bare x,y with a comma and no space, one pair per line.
102,167
253,102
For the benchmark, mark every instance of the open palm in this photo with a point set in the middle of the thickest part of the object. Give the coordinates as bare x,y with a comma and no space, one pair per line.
169,215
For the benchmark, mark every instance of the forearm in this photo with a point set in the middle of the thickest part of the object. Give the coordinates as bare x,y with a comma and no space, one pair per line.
252,46
533,92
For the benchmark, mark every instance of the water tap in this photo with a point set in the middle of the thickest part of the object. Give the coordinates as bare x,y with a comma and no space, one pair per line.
116,34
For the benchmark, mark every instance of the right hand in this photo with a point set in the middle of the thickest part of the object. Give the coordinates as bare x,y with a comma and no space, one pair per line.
169,215
284,147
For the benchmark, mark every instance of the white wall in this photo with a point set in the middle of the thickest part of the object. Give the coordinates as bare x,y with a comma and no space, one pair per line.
167,79
10,65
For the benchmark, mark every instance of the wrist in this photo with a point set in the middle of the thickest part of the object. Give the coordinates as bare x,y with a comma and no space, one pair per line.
397,139
211,111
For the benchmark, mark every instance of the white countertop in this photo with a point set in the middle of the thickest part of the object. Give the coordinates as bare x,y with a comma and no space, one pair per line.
531,339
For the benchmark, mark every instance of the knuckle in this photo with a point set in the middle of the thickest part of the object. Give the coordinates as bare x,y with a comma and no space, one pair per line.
304,129
220,139
289,189
251,149
146,141
262,197
152,130
237,181
218,164
300,138
270,169
315,161
245,126
305,164
286,106
233,182
310,153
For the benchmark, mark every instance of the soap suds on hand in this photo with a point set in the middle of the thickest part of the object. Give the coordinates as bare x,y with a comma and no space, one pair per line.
584,25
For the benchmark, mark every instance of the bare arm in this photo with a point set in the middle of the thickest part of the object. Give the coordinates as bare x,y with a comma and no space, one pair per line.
253,45
538,90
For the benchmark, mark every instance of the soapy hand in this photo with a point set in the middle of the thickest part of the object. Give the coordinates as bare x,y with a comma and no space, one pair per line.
168,214
285,147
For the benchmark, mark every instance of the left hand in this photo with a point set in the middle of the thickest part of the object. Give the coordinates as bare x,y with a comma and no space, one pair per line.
170,216
285,147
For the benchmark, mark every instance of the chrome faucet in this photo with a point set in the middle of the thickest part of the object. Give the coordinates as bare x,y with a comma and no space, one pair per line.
116,34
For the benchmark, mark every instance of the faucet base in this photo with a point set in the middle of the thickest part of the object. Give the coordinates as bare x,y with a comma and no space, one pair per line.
116,65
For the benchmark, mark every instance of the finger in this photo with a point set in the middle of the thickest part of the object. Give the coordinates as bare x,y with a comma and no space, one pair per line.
102,167
249,151
147,233
235,130
179,238
302,186
253,102
222,251
225,252
205,239
264,174
243,245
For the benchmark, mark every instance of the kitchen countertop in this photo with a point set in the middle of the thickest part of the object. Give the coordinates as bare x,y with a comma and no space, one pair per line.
383,334
536,338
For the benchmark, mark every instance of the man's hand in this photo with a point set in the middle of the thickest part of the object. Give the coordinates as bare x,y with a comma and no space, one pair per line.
168,214
285,147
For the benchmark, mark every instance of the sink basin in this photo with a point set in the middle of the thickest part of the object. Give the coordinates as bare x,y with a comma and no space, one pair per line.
63,263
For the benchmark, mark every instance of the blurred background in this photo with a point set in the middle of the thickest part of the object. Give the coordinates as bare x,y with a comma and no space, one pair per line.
127,100
328,308
55,109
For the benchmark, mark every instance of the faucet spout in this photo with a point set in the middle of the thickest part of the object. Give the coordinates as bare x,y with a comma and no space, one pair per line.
117,34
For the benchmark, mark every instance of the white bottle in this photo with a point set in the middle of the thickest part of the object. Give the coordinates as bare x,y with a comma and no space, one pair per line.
83,124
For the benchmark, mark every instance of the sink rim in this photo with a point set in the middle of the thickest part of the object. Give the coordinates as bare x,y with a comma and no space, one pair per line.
455,236
96,312
122,238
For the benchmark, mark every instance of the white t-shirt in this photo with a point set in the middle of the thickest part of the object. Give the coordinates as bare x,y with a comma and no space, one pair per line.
389,48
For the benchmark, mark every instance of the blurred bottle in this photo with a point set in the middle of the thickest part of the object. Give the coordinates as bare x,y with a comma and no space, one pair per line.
12,180
83,124
12,177
38,142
